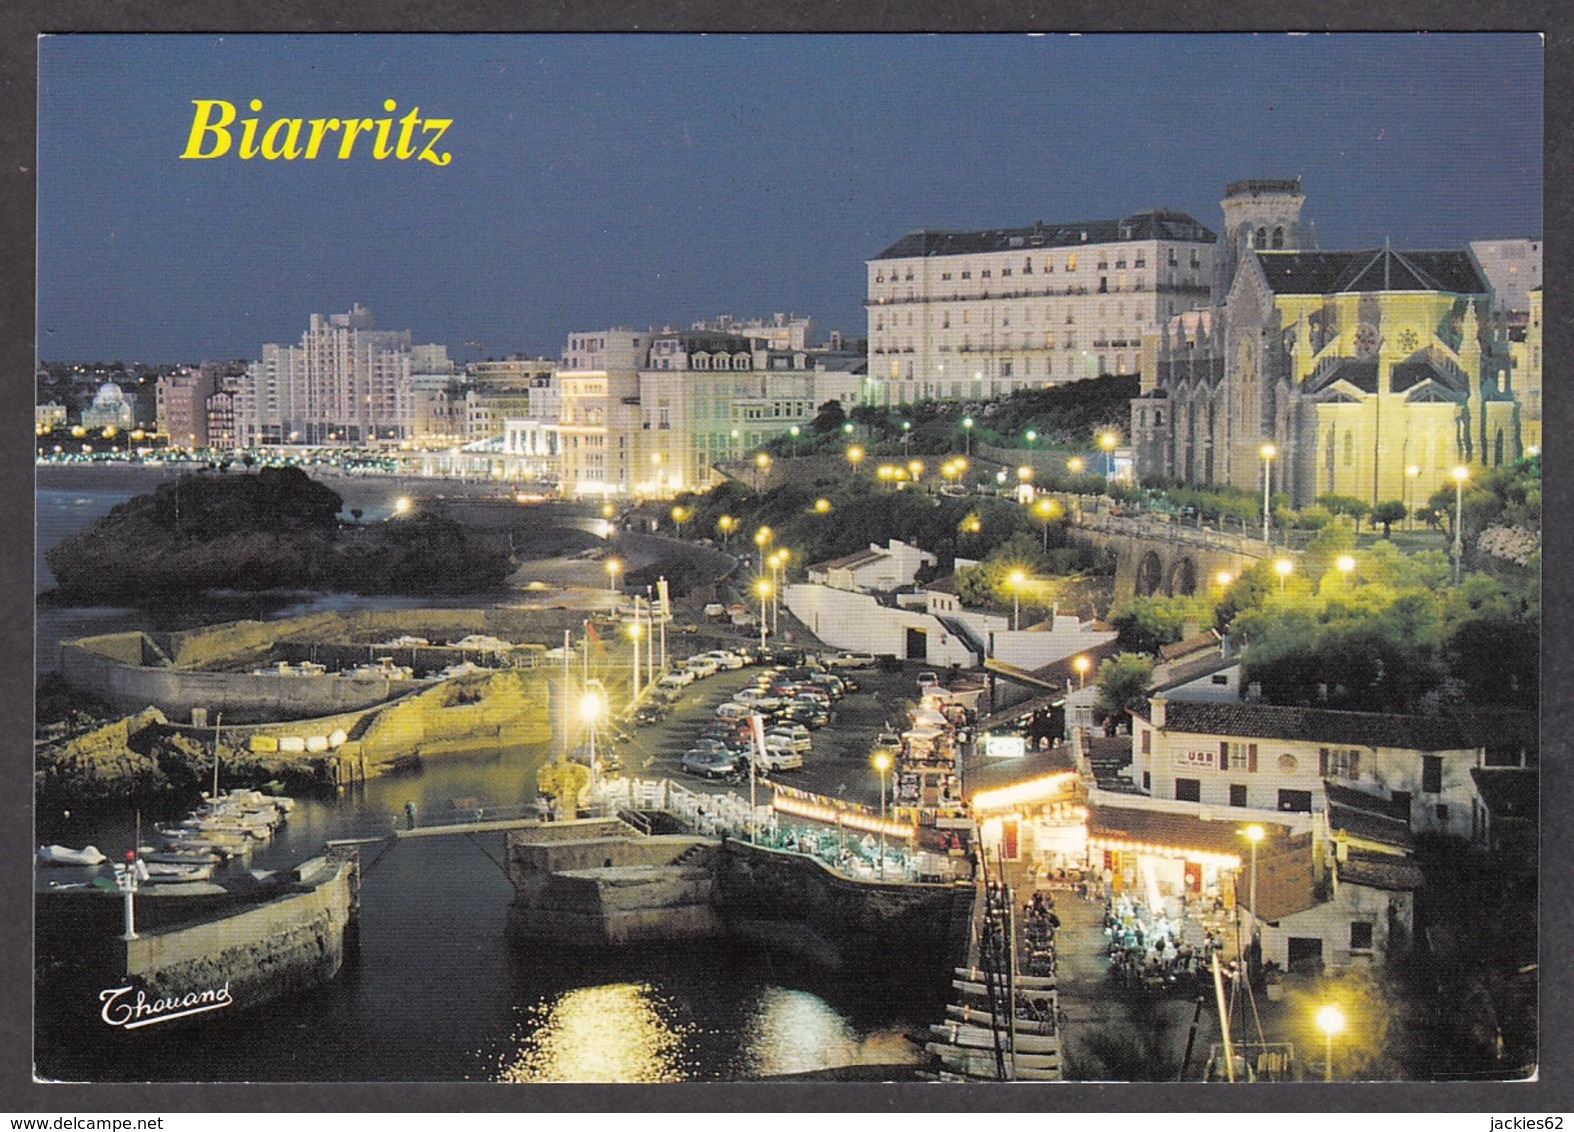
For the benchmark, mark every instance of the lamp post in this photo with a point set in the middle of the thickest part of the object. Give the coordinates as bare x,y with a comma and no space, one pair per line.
1254,834
613,566
907,435
1461,474
1283,567
1016,578
793,432
1345,563
1330,1020
1047,509
1107,441
763,588
635,632
1082,664
590,712
762,539
967,436
678,515
1267,452
882,763
762,465
855,454
726,524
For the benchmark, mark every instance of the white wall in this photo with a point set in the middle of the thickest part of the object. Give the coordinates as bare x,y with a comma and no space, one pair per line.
857,622
1034,648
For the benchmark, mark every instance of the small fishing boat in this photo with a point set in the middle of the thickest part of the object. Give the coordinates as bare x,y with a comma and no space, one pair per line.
182,856
982,1037
61,855
160,873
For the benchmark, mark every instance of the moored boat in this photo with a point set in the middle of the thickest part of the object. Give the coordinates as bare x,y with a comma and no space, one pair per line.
63,855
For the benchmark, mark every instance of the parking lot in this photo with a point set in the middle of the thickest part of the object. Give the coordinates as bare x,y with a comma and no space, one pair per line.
838,764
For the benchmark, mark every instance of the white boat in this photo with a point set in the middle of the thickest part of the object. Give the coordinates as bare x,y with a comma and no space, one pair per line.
1020,982
983,1037
181,856
980,1017
61,855
160,873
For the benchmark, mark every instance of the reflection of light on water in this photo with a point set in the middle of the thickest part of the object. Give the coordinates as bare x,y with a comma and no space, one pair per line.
794,1031
620,1033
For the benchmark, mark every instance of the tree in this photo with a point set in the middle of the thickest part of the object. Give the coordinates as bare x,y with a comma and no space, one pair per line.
1123,681
1388,513
829,419
1146,624
1345,505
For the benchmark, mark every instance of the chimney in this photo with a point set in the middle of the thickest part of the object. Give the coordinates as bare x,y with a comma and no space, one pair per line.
1156,711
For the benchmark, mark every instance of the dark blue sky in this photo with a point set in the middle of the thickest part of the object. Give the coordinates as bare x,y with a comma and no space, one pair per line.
627,179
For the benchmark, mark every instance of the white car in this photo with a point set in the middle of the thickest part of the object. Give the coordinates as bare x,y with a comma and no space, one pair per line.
701,665
777,756
796,736
756,699
675,681
725,659
850,660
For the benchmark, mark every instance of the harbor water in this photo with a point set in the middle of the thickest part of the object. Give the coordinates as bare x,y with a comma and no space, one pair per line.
434,993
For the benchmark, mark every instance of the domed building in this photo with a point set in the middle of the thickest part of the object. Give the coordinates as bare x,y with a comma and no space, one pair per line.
110,409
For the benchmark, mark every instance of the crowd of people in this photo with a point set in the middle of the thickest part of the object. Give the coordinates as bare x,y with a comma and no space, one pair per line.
1152,953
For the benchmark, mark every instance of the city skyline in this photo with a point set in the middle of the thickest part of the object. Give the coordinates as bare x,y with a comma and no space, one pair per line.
725,174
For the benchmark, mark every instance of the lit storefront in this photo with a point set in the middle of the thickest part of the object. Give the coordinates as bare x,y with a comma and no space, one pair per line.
1156,855
1031,809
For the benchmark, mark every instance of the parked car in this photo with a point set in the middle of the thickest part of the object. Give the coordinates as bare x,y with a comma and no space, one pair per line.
795,735
675,682
701,665
724,659
778,756
928,681
850,660
833,685
649,713
708,763
756,699
809,715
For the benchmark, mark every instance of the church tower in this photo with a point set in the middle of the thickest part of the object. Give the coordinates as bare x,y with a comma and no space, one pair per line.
1257,214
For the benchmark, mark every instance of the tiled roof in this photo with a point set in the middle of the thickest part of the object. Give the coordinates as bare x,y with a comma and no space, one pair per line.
1508,791
1382,269
1381,870
1366,816
996,773
1286,880
1158,224
1064,671
1320,725
1197,643
850,561
1179,831
945,585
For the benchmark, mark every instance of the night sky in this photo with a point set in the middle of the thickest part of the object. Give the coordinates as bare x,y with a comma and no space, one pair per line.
636,180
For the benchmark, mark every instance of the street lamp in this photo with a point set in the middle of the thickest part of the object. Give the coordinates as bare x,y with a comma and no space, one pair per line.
1267,452
1016,578
882,763
402,505
1082,664
1030,436
762,539
1461,474
635,632
1075,465
1345,563
1330,1020
1254,834
967,435
854,455
613,566
763,588
907,434
1283,567
590,712
821,506
1107,441
762,463
1224,578
1047,509
793,432
726,524
678,515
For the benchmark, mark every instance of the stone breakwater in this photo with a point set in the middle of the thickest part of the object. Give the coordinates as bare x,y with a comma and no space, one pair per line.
599,884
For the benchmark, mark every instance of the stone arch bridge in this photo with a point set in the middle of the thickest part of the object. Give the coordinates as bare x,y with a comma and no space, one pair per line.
1166,558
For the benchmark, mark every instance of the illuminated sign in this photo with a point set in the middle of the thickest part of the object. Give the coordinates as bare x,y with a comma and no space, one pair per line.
1004,746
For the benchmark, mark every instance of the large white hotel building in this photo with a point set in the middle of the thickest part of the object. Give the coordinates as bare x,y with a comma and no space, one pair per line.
970,316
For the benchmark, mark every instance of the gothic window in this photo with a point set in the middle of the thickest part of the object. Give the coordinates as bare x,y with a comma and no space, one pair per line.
1365,340
1278,237
1497,449
1262,237
1349,448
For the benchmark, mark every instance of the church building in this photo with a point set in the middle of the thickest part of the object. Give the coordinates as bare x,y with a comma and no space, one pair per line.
1368,373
